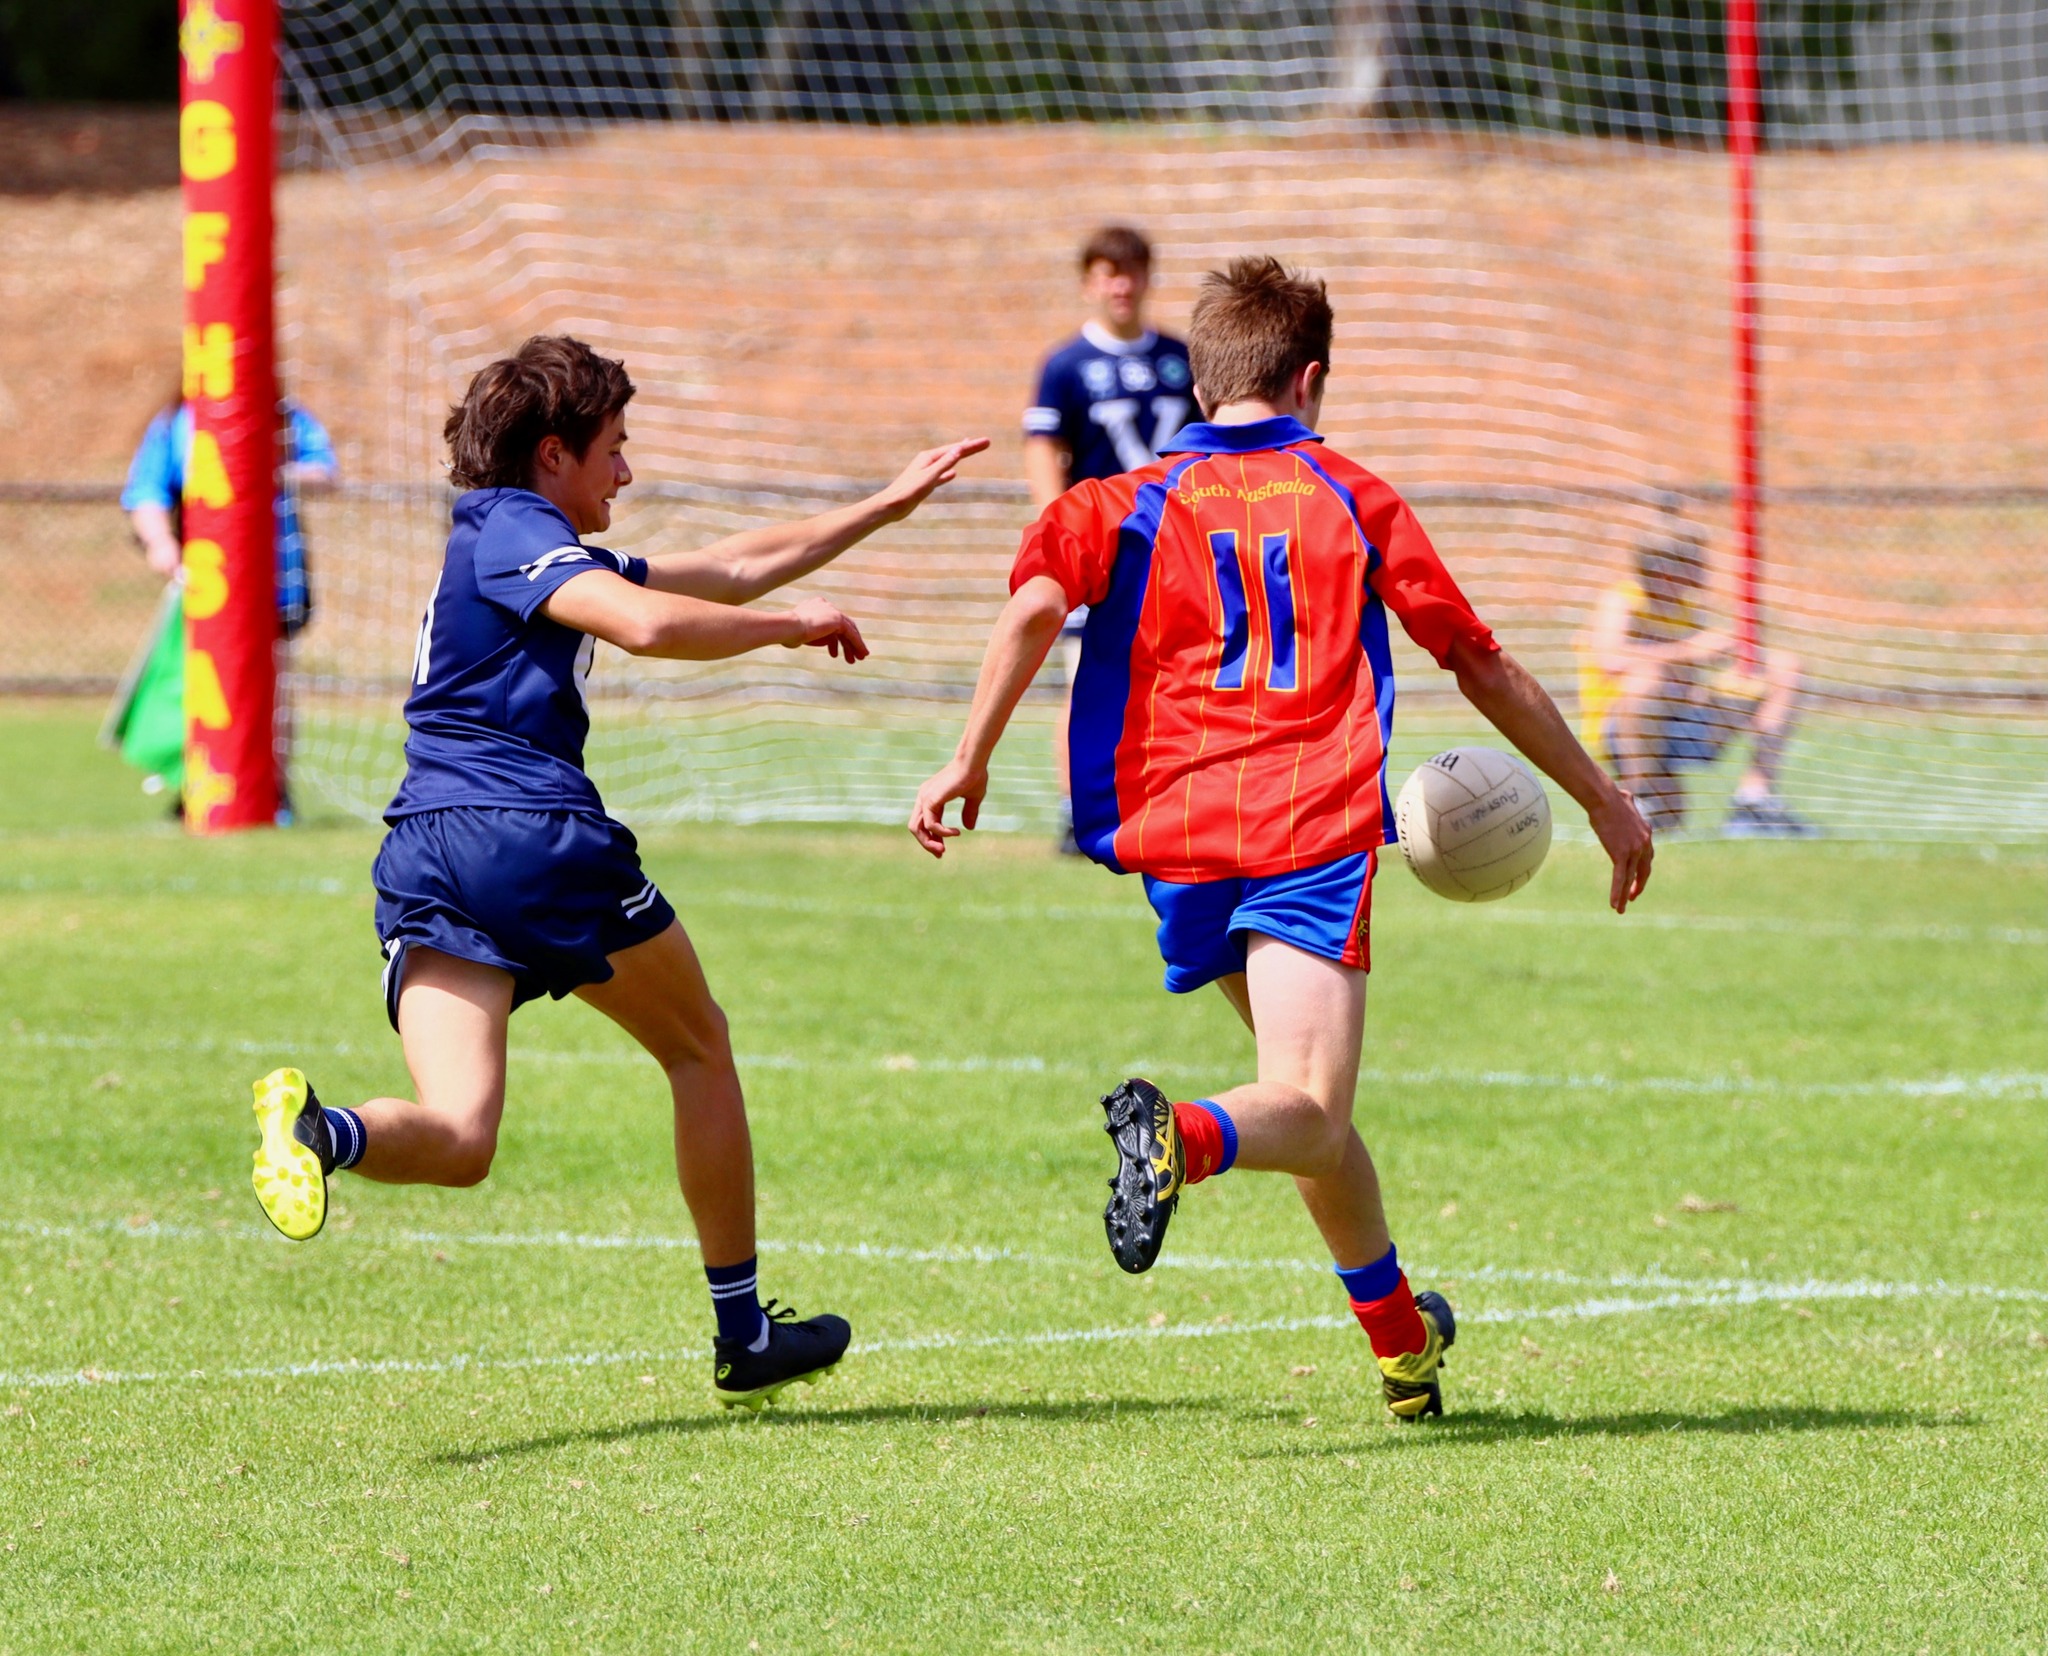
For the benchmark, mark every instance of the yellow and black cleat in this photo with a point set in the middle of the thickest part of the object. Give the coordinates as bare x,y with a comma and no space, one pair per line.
297,1153
1151,1165
1412,1381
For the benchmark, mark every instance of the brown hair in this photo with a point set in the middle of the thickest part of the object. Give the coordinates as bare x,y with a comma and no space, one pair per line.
1256,325
1119,245
552,386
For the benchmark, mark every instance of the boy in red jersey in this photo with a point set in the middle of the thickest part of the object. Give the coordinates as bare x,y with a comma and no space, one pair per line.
1231,717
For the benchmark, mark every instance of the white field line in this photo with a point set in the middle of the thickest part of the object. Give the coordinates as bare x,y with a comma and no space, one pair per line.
1581,1311
1997,1084
1729,1290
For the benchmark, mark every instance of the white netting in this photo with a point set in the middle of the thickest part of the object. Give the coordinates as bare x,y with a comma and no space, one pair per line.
824,235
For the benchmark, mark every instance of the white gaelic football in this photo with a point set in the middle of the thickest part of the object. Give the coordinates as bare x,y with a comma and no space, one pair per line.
1474,824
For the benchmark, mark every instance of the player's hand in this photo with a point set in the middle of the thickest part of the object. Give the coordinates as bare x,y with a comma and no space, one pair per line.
924,474
1625,837
166,558
928,824
825,627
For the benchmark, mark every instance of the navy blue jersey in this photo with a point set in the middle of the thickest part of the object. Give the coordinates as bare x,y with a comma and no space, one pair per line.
1114,403
496,714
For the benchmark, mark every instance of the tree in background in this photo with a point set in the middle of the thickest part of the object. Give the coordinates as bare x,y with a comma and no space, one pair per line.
89,51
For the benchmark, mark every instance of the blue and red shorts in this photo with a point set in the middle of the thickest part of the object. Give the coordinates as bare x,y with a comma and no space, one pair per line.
1324,910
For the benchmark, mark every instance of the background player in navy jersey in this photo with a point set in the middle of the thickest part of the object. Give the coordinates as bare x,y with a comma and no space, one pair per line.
502,878
1108,400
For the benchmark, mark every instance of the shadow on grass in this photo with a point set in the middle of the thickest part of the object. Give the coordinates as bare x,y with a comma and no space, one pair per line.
936,1414
1537,1426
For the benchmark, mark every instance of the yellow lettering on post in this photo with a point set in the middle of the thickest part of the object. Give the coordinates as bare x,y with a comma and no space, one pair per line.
206,478
206,243
206,140
206,579
209,360
206,705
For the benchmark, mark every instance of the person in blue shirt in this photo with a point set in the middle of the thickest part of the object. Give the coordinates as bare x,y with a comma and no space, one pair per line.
1108,400
502,878
148,718
154,494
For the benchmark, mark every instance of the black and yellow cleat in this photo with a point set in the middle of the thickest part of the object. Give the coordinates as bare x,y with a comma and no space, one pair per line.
295,1157
796,1351
1412,1382
1151,1164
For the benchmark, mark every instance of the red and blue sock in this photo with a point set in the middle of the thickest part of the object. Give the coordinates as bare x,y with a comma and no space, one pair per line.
1209,1137
1384,1306
736,1301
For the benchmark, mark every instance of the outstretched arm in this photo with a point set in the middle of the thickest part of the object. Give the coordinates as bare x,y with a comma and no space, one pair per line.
1522,711
1016,650
667,624
742,567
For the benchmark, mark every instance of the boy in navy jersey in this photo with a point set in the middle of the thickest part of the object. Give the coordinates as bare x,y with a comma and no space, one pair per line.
1108,401
502,878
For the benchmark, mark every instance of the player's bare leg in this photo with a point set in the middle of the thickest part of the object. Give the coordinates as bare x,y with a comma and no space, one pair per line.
658,994
452,1017
1307,1015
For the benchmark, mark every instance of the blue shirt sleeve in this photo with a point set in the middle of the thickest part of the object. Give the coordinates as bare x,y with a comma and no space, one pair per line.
156,476
527,552
311,446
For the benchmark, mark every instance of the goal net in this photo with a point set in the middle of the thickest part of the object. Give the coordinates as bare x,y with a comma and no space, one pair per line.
824,235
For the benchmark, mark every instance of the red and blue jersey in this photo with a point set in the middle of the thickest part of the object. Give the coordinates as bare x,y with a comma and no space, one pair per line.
1236,693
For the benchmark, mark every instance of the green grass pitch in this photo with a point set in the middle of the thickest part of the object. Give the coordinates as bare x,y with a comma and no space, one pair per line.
1740,1200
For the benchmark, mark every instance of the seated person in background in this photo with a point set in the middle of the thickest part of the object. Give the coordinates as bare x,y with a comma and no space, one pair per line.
1661,691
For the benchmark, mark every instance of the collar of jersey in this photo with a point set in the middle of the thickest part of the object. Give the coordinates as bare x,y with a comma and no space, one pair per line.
1281,431
1109,345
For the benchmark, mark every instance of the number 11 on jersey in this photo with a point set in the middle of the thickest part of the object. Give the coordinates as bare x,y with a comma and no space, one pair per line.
1276,577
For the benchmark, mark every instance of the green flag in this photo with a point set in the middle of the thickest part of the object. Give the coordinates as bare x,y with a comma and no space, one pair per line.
147,720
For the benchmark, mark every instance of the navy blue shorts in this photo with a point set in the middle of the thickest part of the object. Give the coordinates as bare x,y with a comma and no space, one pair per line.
544,895
1325,910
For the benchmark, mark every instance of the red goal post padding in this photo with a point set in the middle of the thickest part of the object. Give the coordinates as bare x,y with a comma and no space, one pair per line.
226,92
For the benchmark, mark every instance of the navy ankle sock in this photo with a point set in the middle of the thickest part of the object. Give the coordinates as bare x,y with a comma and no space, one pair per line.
736,1299
345,1133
